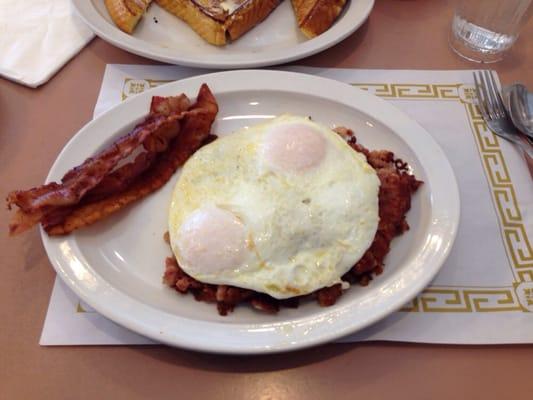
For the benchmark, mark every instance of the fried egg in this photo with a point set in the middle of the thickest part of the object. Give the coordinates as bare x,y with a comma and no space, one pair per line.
284,208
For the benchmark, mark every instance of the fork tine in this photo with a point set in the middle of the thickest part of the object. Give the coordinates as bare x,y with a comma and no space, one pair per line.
480,96
489,99
499,109
486,96
501,106
492,93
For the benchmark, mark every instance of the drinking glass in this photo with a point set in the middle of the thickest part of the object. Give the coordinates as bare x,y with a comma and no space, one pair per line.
483,30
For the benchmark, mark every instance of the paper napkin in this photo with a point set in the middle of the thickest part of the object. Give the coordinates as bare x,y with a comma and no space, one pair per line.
37,37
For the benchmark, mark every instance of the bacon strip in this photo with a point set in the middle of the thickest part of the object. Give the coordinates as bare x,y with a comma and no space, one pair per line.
76,182
195,130
122,177
98,178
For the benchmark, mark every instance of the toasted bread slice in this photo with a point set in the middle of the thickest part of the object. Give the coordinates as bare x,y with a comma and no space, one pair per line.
126,13
316,16
216,21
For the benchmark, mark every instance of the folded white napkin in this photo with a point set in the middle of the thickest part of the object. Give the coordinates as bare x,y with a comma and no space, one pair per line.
37,37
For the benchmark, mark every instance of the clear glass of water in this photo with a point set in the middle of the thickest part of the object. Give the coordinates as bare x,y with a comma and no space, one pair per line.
483,30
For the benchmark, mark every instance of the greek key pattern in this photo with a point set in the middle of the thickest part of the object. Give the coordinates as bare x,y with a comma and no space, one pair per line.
454,92
516,241
465,300
519,296
525,276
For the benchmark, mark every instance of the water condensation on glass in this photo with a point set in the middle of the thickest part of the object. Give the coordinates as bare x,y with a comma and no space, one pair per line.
489,26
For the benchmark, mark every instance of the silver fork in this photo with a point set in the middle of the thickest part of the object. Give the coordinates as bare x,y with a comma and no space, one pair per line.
490,104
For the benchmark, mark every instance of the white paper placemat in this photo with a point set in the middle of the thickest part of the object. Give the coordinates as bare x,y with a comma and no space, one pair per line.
484,292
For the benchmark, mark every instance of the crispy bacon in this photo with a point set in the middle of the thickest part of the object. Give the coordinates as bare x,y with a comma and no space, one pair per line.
121,178
76,182
116,182
169,105
159,140
195,129
87,193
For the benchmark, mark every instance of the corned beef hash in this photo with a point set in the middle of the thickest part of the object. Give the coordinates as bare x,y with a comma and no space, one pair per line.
267,215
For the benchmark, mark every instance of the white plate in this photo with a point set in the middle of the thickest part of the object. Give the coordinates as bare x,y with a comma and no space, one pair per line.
116,265
276,40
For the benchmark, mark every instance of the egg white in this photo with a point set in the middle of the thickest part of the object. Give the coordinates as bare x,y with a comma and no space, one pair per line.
303,230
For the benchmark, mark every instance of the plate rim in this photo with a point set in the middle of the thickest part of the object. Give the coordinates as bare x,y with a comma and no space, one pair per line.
130,43
243,81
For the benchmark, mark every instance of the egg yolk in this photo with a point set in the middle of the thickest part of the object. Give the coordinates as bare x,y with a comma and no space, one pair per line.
212,239
293,148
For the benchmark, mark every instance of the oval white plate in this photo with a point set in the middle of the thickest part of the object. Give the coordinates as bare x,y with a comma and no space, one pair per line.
274,41
116,265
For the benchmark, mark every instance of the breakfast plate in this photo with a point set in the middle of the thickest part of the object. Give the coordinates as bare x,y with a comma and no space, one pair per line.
163,37
116,265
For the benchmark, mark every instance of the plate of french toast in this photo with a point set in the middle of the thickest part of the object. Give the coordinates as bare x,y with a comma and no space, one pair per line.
224,33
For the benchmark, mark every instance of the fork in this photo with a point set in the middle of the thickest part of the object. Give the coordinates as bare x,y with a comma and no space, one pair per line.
490,104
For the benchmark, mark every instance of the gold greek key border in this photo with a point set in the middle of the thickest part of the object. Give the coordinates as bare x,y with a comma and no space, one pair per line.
515,238
456,299
525,276
412,91
465,300
519,297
